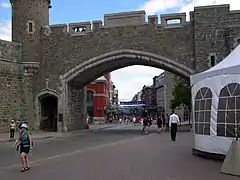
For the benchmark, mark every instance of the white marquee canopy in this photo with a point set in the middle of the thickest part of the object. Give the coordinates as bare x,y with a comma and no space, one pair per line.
216,104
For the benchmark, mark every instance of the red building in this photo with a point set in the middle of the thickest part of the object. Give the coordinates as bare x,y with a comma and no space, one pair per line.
98,97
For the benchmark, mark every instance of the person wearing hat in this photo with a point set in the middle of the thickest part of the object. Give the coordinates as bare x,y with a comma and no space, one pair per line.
25,142
12,128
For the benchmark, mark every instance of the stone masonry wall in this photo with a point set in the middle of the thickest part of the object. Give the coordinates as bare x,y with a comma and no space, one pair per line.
76,105
60,52
15,92
210,24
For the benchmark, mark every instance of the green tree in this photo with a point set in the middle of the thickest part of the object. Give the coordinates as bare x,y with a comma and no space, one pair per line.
182,95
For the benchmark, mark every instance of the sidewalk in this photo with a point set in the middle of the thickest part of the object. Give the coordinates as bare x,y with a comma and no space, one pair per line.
38,134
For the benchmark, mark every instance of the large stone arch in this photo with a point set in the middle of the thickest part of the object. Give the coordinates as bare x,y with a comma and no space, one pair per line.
73,81
37,104
122,58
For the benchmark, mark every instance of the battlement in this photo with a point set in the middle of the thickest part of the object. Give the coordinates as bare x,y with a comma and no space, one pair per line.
133,18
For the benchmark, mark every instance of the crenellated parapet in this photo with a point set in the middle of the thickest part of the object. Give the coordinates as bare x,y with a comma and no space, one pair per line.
132,18
122,19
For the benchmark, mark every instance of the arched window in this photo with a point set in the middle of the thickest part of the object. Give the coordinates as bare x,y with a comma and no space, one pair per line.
228,110
203,104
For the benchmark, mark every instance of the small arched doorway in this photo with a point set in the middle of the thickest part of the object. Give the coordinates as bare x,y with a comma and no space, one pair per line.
48,112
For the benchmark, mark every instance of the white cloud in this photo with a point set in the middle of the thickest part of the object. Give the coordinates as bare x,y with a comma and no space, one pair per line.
5,5
6,30
154,6
131,79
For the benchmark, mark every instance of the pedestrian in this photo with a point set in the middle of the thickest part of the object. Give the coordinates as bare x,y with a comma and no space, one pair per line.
12,129
173,123
120,121
159,124
167,122
163,120
145,126
134,121
26,145
149,122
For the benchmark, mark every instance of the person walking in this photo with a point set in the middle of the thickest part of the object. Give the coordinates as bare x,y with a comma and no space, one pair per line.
173,123
26,145
159,124
167,123
163,120
12,129
145,126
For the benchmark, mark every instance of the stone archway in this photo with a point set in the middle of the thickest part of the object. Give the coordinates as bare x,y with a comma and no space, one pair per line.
74,94
47,108
127,57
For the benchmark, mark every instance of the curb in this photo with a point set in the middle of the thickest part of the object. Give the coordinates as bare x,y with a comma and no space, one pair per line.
64,134
36,138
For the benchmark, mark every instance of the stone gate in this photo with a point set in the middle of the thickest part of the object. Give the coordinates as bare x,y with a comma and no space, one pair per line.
59,60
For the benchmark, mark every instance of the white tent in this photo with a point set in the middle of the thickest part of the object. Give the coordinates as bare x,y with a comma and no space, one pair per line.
216,105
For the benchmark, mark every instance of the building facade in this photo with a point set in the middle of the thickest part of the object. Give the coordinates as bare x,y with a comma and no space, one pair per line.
137,96
113,97
159,93
98,97
146,96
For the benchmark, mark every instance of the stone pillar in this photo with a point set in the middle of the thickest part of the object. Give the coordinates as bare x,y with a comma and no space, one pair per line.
75,117
26,94
63,108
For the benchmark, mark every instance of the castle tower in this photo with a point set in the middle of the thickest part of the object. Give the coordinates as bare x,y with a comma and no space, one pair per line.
28,18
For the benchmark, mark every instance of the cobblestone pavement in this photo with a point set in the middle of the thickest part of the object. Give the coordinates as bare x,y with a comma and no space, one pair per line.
132,157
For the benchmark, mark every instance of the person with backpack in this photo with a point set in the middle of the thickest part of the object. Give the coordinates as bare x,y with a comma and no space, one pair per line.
25,146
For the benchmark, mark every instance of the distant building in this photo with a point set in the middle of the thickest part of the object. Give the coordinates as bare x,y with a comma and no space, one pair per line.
114,97
159,93
137,96
98,97
146,96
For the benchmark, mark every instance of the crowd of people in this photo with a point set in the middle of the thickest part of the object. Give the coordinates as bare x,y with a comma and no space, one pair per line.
167,123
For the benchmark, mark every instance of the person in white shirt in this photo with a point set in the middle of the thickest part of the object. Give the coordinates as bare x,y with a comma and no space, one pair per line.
173,123
134,120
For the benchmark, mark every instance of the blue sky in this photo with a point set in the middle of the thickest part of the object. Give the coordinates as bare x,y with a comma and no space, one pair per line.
78,10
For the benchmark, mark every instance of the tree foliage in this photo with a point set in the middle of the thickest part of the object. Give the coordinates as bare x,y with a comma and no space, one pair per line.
182,94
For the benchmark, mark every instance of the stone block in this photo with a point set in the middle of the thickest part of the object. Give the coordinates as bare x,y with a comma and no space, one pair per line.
125,18
96,24
153,20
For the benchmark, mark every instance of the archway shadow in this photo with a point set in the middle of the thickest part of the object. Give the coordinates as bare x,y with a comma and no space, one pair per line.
48,112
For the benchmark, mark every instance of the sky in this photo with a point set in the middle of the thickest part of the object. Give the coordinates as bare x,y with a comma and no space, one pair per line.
131,79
